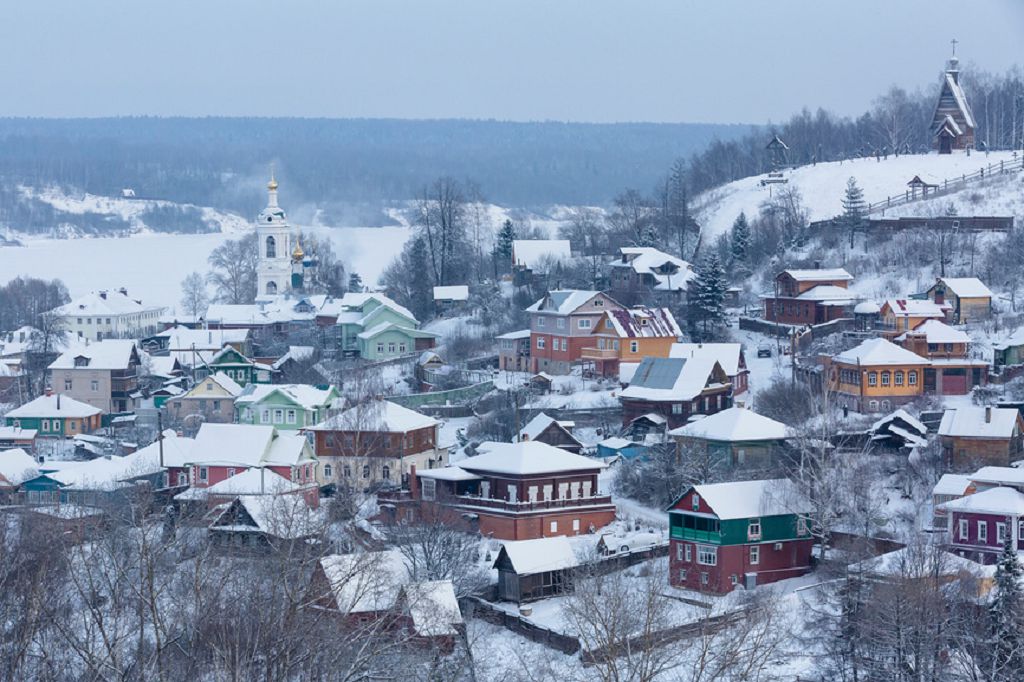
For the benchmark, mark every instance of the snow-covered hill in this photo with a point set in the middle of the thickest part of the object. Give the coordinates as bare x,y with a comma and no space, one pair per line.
821,186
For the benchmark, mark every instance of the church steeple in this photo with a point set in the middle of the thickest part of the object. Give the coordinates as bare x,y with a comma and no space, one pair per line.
953,65
272,190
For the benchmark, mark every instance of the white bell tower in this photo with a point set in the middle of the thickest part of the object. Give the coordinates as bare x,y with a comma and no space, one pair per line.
274,235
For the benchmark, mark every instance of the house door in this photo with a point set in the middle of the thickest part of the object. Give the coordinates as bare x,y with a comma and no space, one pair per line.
945,144
929,380
508,586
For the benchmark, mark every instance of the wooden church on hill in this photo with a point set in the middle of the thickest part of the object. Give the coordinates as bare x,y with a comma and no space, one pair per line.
953,123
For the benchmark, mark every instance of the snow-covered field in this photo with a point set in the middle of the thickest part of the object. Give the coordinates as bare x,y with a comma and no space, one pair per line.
151,266
821,186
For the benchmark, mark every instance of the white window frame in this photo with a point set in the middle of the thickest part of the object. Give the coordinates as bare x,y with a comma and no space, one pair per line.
584,323
290,416
204,474
540,343
965,529
1000,532
688,553
695,502
575,525
634,346
755,555
982,531
682,575
428,489
540,321
560,323
554,526
707,555
754,529
801,526
679,552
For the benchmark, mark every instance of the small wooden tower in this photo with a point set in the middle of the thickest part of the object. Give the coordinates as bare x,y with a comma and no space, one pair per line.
953,122
777,152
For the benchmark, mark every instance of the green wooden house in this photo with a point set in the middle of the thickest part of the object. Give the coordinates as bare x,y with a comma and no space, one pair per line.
388,340
375,327
736,437
284,406
238,367
1010,351
55,416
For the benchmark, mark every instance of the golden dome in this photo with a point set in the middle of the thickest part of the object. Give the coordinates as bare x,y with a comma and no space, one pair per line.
297,252
272,185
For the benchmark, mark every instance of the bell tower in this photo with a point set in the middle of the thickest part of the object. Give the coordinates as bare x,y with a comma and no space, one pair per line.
274,236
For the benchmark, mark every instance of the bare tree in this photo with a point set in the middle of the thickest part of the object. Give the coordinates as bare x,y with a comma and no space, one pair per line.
194,298
233,270
441,218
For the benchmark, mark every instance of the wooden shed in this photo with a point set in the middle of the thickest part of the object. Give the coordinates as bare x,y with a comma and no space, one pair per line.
534,569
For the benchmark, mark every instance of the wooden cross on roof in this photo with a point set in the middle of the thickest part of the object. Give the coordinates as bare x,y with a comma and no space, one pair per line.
954,41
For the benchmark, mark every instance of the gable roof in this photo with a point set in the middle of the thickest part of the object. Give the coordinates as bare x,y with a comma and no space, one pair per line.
229,385
966,287
367,582
54,406
992,501
16,467
110,302
528,457
646,260
903,415
819,275
644,322
660,379
970,422
913,307
540,423
532,252
952,484
282,516
935,331
304,395
751,499
727,354
999,475
249,445
377,416
433,607
184,338
879,352
828,293
252,481
379,329
529,557
952,88
106,354
564,302
733,425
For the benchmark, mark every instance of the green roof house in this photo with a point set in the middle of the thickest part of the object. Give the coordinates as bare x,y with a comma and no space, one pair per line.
285,406
374,327
238,367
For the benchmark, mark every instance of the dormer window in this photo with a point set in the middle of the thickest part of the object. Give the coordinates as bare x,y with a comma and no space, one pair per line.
599,303
81,361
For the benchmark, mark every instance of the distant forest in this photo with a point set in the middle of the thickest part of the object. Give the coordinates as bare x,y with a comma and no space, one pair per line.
223,162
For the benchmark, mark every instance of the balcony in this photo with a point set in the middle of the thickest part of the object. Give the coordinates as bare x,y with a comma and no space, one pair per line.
527,506
599,353
678,533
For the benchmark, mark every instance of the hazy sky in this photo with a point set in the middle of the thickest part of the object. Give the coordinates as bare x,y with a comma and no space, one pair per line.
584,60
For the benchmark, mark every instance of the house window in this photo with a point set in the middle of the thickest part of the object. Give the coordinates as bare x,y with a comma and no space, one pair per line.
391,347
682,575
587,485
429,489
265,416
73,425
347,471
540,342
231,472
695,501
366,471
328,471
754,529
56,425
982,531
584,324
554,526
755,555
885,378
548,491
688,553
677,408
801,526
380,348
401,348
912,378
679,552
216,405
278,416
182,478
1000,532
704,578
386,473
963,529
209,385
899,377
271,248
872,378
873,405
560,323
733,579
204,474
46,425
707,555
575,525
565,344
634,346
67,384
291,416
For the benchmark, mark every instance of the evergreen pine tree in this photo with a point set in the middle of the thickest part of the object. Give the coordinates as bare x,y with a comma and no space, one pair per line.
420,287
1006,618
739,240
706,296
355,282
854,208
502,252
648,235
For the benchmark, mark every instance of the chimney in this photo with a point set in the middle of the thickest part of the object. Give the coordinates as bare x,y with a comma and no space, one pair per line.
58,402
263,485
49,390
988,414
414,483
103,295
123,291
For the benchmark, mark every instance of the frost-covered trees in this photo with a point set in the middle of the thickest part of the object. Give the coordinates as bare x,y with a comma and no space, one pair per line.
502,252
705,299
1006,614
854,208
739,241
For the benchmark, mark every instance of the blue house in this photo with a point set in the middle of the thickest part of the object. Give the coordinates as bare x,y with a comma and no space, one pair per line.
620,447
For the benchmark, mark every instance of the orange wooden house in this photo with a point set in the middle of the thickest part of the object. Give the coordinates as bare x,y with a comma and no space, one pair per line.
630,335
899,315
950,370
876,376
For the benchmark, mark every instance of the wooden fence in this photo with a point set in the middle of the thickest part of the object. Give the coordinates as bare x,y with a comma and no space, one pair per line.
490,613
948,185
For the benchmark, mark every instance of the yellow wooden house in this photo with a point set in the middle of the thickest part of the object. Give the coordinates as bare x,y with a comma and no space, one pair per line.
876,376
966,298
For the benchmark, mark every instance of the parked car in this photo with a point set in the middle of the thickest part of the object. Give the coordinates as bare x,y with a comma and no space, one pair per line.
764,350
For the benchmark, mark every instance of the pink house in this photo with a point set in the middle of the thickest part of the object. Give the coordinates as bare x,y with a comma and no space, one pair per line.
979,524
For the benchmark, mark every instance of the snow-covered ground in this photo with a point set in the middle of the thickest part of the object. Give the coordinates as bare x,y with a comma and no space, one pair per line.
821,186
151,266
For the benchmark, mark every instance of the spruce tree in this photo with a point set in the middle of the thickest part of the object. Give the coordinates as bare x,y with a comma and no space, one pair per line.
355,282
739,240
502,252
854,208
707,295
1006,618
420,287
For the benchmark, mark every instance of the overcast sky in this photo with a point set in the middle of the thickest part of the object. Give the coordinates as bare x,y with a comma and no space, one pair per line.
583,60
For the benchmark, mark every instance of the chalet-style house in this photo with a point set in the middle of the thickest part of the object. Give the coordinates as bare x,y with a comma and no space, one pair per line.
741,533
729,355
377,442
517,491
1009,351
950,371
449,299
545,429
372,326
104,374
814,296
212,400
562,325
529,570
238,367
223,451
876,375
55,416
966,298
107,314
972,435
953,123
978,525
676,389
514,351
252,523
629,336
899,315
284,406
642,273
736,437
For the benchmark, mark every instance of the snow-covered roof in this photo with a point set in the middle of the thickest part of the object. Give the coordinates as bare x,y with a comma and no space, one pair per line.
529,557
952,484
914,307
646,260
979,422
537,425
662,379
456,292
249,445
296,353
104,303
866,308
526,458
820,275
935,331
992,501
379,329
827,292
229,385
377,416
17,433
16,467
727,354
874,352
732,425
254,481
903,415
563,301
531,252
644,322
282,516
961,99
967,287
183,338
924,562
106,354
54,406
519,334
617,443
162,365
309,397
1000,475
433,607
367,582
750,499
448,473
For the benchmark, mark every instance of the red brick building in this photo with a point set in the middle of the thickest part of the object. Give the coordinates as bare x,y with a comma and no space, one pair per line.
562,325
810,297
